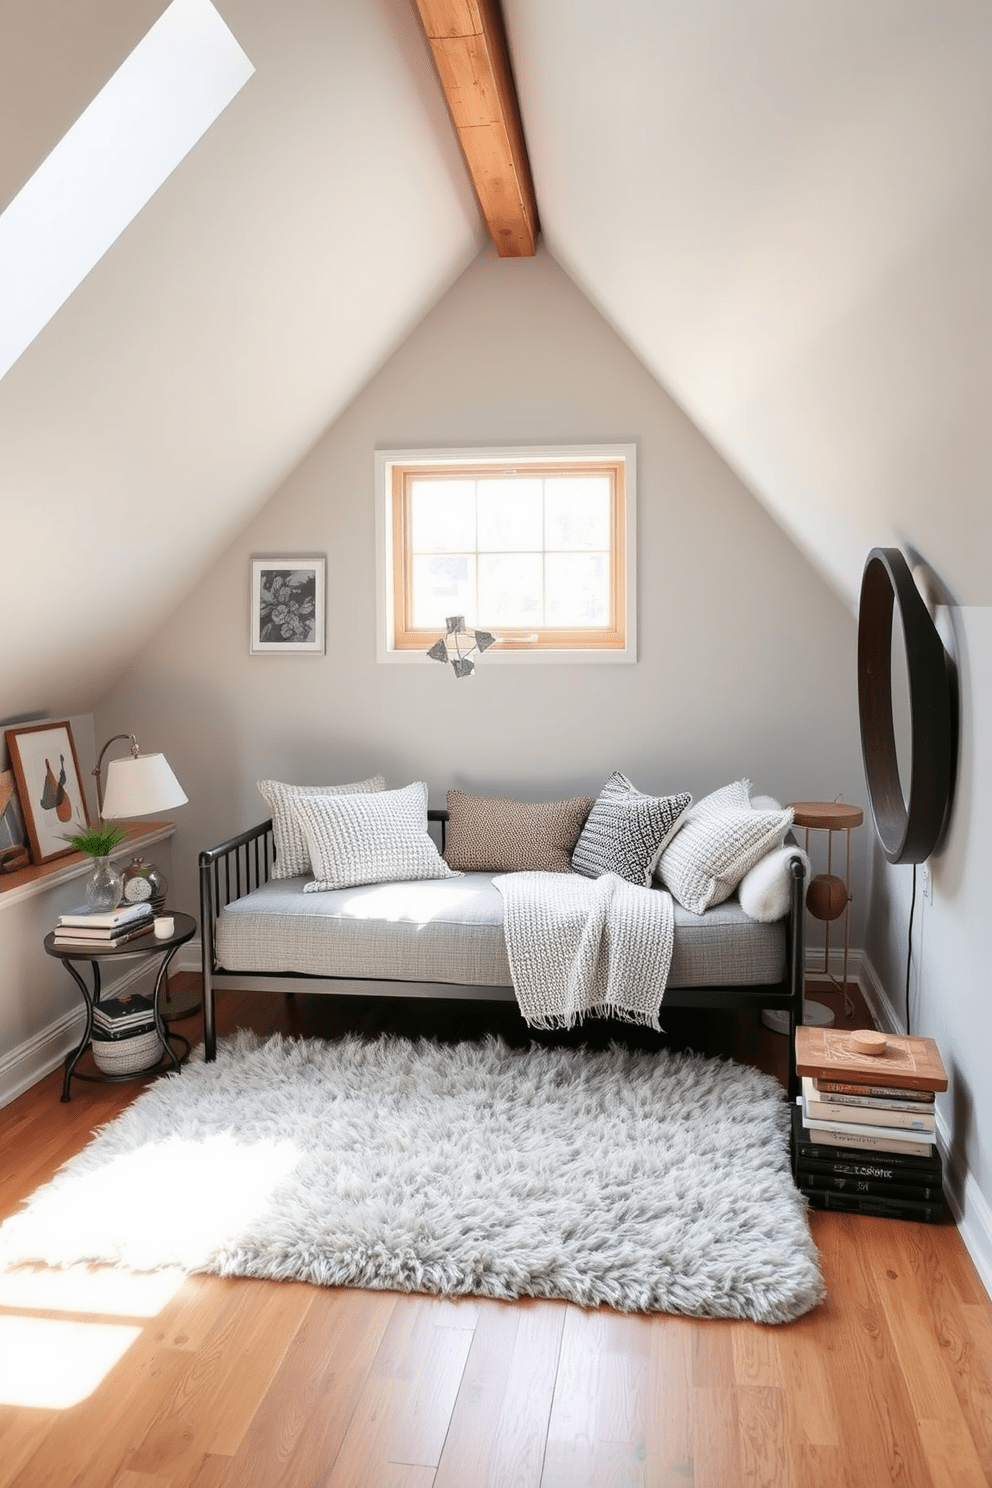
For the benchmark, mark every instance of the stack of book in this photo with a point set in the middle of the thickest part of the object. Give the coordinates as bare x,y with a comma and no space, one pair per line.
864,1129
125,1039
81,928
123,1016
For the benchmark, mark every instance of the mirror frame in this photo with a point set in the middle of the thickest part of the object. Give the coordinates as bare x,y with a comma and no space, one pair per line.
908,832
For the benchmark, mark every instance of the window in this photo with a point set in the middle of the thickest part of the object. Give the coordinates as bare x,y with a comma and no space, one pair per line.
533,545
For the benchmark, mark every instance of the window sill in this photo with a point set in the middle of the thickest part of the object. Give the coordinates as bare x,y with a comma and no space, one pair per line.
566,657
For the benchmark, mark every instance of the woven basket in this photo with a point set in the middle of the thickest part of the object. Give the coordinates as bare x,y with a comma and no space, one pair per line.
128,1056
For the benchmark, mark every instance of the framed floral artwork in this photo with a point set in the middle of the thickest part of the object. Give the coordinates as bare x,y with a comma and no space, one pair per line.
286,605
49,786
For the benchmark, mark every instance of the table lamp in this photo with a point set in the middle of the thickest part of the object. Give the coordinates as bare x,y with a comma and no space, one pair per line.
138,786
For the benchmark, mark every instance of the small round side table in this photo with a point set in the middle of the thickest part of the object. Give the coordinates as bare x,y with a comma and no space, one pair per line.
142,945
828,896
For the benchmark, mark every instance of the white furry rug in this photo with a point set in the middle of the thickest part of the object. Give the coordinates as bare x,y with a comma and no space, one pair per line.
649,1182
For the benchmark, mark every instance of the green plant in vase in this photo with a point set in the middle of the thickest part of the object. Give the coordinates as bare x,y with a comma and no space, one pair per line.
104,885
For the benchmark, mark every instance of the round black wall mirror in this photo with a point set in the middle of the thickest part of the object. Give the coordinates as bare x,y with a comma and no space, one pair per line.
908,830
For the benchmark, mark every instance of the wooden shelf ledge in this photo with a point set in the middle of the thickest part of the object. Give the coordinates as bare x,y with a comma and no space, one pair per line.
29,882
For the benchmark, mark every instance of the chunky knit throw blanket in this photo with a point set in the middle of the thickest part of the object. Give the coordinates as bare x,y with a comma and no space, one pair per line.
580,946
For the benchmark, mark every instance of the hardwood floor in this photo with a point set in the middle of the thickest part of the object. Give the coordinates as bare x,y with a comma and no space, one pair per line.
198,1382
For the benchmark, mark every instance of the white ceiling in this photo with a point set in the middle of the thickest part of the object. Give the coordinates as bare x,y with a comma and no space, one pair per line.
287,257
782,205
785,207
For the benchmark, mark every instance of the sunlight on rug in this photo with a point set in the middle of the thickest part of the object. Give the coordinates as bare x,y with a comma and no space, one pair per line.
648,1182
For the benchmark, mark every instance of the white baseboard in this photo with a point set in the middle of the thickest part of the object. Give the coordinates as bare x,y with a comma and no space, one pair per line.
38,1056
45,1051
969,1205
189,957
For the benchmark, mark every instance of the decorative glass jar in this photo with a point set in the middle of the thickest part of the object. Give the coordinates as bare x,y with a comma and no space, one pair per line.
103,887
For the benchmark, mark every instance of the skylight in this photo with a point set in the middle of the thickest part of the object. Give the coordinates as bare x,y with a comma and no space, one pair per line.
126,143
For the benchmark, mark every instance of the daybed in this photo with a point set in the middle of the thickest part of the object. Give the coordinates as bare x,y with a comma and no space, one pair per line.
444,937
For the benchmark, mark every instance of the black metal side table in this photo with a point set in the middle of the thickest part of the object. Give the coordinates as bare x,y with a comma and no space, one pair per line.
142,945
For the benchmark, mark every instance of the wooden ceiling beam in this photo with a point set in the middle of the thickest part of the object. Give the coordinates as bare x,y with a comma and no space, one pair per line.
468,42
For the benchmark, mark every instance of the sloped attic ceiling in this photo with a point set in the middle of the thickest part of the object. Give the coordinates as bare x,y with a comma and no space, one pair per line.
288,255
785,208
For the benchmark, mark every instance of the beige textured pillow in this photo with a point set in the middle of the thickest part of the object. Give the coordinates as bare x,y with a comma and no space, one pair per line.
489,834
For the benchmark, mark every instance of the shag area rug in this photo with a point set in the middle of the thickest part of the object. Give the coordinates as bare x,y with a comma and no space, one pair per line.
649,1182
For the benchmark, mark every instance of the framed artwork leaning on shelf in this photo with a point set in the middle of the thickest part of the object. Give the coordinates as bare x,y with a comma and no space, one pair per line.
286,605
49,786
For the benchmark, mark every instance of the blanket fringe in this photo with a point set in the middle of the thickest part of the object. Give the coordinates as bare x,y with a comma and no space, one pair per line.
562,1022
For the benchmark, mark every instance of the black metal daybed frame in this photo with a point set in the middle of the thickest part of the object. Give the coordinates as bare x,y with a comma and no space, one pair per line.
243,863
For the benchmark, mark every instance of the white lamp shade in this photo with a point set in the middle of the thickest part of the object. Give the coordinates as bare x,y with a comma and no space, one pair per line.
141,785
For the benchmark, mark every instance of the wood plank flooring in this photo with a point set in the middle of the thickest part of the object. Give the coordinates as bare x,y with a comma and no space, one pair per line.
205,1382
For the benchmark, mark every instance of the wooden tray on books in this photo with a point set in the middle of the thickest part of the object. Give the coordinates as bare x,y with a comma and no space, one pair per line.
908,1063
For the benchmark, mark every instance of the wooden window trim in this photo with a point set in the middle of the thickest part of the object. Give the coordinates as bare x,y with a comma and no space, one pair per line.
405,637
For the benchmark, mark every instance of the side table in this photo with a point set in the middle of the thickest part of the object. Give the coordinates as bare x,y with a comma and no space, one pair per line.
828,897
149,945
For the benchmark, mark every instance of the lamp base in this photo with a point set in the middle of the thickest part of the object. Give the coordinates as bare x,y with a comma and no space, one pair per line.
815,1015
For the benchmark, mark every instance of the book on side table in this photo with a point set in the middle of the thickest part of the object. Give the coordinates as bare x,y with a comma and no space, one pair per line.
864,1129
80,928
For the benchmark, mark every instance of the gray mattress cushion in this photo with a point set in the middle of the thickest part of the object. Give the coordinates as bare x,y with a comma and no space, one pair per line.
451,930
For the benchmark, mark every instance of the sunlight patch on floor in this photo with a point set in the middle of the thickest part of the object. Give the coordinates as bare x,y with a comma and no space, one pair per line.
53,1364
165,1204
106,1291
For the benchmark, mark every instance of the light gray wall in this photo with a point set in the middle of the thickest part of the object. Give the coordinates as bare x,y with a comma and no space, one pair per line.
746,658
951,969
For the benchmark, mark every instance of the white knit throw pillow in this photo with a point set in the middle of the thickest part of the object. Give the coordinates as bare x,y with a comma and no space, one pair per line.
364,839
719,839
292,858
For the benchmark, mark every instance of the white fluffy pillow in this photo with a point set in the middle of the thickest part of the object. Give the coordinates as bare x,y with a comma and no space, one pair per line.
719,840
376,838
765,891
292,858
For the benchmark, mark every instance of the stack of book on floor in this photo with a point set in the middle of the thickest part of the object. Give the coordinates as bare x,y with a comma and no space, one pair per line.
125,1038
864,1129
81,927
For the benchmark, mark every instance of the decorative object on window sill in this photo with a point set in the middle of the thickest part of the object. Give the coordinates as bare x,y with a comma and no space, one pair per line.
462,643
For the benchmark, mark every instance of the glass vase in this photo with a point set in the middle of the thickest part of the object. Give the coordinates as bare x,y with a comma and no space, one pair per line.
103,887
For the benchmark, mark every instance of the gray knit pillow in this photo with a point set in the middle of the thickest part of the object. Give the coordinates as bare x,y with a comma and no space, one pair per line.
292,858
627,831
362,839
719,841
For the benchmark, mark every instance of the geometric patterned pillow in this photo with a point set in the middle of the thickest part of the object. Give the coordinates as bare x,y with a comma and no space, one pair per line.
490,834
627,831
720,839
379,837
292,858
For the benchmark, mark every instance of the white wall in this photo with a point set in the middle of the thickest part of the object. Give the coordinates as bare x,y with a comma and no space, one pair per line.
951,970
747,659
